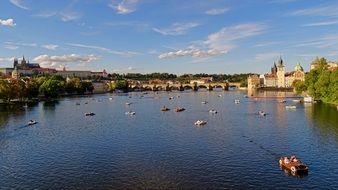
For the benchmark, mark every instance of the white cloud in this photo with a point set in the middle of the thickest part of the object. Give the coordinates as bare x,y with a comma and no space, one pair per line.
264,44
7,22
125,54
63,15
50,46
176,29
324,23
11,47
19,4
192,53
267,56
47,14
57,61
6,59
21,44
124,7
69,15
320,42
330,10
218,43
217,11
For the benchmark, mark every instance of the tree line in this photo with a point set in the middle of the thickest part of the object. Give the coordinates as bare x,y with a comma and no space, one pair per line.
321,82
27,89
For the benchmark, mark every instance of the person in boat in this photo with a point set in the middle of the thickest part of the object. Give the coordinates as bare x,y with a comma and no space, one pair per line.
293,158
286,160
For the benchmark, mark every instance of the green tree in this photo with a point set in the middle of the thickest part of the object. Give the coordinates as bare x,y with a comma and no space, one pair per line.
87,86
299,86
52,88
121,85
4,90
32,88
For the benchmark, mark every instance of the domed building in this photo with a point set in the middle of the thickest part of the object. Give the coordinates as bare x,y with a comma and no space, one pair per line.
278,78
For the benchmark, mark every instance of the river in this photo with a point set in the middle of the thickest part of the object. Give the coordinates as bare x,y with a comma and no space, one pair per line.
236,149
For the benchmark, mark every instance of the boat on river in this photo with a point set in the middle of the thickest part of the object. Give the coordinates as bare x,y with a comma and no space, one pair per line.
130,113
290,107
32,122
179,109
237,101
200,122
212,111
89,114
262,113
165,109
293,164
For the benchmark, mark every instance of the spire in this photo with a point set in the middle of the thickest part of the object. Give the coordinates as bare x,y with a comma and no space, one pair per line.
280,61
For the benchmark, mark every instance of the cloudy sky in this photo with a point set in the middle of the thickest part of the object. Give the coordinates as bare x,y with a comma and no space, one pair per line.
175,36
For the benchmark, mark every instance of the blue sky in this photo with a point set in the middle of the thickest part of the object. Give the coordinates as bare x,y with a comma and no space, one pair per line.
175,36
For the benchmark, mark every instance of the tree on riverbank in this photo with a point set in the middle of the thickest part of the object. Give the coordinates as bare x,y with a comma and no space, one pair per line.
322,83
50,87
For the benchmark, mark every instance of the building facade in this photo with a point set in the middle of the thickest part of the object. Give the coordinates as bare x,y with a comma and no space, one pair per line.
278,77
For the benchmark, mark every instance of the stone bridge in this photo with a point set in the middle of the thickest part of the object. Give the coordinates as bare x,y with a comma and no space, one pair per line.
182,87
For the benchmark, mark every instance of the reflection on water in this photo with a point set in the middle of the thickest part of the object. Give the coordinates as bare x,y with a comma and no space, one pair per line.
236,149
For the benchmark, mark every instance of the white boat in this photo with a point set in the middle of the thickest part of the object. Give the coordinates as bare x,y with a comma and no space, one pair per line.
171,98
200,122
220,95
32,122
128,103
296,100
262,113
110,98
89,114
204,102
290,107
130,113
213,111
308,99
237,101
282,101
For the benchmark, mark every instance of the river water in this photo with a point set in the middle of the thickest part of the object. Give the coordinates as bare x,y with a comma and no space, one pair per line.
236,149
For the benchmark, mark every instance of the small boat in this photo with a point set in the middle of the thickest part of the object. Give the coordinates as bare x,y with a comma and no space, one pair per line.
25,106
128,103
262,113
179,109
282,101
246,96
212,111
171,98
89,114
308,99
220,95
130,113
290,107
237,101
297,100
293,164
86,102
110,98
200,122
204,102
32,122
165,109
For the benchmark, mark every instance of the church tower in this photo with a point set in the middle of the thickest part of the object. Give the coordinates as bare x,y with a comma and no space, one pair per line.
280,73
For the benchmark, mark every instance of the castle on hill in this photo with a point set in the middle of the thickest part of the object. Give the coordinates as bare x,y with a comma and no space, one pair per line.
278,77
25,68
